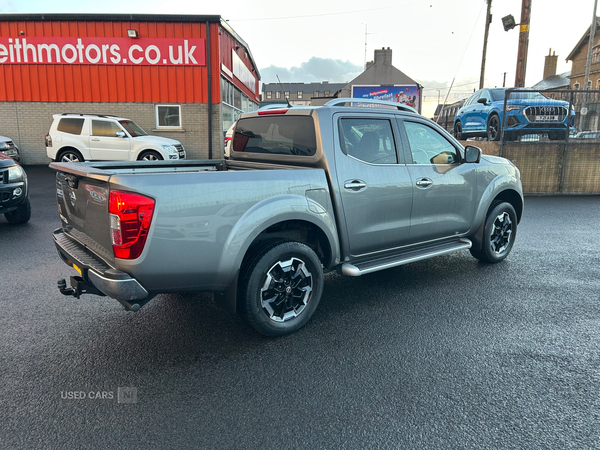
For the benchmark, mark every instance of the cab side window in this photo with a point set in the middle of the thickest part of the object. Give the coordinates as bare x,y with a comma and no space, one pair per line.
368,140
428,146
105,128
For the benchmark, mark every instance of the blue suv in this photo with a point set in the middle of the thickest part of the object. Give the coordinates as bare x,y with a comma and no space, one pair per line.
527,113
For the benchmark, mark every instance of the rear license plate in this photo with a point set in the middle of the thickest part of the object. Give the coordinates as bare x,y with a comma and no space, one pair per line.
546,118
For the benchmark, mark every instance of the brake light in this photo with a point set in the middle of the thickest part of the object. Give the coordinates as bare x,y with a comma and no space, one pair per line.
48,141
272,111
130,220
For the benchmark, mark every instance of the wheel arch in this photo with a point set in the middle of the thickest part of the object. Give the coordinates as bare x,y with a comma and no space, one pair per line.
317,231
508,195
139,154
67,148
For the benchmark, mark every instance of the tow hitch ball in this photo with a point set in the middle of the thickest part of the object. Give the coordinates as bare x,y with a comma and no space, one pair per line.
78,287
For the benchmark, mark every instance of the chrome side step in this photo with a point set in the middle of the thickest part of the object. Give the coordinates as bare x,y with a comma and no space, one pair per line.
362,268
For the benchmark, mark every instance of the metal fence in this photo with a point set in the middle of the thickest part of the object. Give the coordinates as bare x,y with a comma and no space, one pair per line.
554,139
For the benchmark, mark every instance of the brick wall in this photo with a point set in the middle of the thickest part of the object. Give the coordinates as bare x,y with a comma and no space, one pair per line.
27,123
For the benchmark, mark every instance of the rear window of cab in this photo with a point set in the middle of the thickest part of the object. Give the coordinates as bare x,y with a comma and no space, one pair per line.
277,135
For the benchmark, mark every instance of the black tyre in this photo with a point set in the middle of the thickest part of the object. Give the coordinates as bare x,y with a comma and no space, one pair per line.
70,155
280,288
20,215
493,128
458,131
150,156
499,234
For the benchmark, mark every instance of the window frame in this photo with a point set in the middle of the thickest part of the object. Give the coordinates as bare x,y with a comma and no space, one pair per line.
396,137
408,156
167,127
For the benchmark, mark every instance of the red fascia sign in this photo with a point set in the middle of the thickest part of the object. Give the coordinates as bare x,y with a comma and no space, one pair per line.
103,51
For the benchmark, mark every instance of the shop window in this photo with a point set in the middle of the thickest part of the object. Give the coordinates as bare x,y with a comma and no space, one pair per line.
168,116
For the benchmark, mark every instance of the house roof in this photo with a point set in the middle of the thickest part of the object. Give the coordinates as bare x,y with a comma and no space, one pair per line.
583,40
304,87
553,82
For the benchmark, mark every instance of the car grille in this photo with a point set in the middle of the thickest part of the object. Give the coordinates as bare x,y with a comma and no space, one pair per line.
558,113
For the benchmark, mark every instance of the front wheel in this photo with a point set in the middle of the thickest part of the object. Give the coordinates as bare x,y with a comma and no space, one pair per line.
20,215
499,233
493,128
150,156
458,131
281,288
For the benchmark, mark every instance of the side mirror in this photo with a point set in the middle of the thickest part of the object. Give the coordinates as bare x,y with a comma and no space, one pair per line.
472,154
482,100
121,134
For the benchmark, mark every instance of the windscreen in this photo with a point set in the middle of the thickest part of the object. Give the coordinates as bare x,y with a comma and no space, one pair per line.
273,134
132,128
498,94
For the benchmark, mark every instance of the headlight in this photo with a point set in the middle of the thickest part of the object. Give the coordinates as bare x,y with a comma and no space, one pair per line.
3,145
15,173
514,107
169,148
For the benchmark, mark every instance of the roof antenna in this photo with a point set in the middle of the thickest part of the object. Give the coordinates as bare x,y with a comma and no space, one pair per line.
283,92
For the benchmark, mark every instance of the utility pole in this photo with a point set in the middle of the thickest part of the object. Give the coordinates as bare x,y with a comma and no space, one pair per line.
523,43
488,20
504,81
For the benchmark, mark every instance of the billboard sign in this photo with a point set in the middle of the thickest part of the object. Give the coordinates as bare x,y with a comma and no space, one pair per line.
103,51
409,95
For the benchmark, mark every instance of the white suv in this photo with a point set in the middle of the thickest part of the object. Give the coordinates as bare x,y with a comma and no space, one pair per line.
81,137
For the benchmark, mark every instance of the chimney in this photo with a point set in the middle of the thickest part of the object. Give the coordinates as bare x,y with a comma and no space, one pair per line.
383,57
550,64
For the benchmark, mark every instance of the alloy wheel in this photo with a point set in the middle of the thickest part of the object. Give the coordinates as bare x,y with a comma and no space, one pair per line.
287,290
501,233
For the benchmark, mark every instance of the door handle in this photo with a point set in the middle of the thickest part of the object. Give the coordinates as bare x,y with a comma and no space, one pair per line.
355,185
95,139
424,183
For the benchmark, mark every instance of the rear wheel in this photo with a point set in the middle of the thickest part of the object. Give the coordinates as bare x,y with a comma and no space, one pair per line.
499,233
20,215
70,155
280,288
150,156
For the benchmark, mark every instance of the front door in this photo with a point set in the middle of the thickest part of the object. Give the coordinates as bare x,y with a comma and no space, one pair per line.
444,187
104,142
374,185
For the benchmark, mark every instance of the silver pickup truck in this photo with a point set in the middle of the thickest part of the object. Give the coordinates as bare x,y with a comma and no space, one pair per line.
354,186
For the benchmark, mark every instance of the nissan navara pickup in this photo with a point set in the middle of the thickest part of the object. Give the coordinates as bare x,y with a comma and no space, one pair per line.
354,186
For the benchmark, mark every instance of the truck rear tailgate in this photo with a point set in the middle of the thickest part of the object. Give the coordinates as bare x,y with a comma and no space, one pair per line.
83,195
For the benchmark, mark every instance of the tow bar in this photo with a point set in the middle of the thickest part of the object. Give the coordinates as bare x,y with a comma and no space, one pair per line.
78,287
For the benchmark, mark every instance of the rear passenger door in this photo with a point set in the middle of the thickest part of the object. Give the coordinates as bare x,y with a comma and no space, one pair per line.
444,187
104,142
373,181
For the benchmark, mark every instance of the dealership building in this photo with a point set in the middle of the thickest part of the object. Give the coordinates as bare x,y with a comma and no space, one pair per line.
185,77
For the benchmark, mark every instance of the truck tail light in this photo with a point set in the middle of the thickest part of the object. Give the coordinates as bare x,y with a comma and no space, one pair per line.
130,219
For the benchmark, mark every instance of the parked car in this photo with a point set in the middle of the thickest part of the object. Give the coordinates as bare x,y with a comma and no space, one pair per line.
588,135
228,138
306,191
527,113
14,191
8,147
82,137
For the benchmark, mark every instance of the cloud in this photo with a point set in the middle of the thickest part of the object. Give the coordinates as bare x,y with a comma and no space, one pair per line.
313,70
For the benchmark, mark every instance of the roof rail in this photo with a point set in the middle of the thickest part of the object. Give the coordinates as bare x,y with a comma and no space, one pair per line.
371,103
86,114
